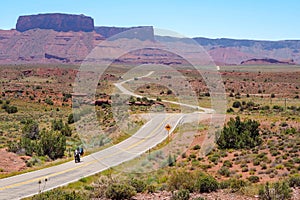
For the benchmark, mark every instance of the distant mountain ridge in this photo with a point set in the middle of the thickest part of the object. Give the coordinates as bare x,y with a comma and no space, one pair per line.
267,45
233,51
65,38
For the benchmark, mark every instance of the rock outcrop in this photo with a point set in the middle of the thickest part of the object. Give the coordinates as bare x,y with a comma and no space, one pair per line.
267,61
141,32
56,21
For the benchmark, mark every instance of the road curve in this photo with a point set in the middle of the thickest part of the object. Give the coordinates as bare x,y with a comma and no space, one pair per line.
126,91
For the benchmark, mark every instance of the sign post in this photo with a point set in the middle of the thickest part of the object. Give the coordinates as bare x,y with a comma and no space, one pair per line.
168,128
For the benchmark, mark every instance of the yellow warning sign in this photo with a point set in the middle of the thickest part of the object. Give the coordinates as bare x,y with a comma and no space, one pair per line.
168,127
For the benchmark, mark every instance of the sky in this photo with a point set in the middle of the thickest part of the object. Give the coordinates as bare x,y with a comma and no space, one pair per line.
238,19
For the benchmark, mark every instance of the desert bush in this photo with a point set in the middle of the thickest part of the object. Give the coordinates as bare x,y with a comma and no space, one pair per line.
214,158
283,124
64,128
51,143
206,183
13,146
236,104
253,179
139,185
181,179
11,109
227,163
275,191
256,162
150,188
119,191
31,129
58,194
294,181
233,184
181,195
237,134
205,167
224,171
29,146
245,169
49,101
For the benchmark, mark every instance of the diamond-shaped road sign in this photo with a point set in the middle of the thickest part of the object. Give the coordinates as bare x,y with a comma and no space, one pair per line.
168,127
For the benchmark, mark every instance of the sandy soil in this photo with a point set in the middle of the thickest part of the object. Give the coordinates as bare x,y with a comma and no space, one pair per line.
11,162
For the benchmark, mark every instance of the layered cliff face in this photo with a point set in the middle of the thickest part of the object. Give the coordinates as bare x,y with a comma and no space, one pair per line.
141,32
46,46
57,22
64,38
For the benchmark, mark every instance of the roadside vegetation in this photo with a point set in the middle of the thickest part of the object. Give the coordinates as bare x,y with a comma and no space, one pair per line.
257,151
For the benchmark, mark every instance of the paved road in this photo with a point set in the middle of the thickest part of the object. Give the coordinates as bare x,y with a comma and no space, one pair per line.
151,134
125,91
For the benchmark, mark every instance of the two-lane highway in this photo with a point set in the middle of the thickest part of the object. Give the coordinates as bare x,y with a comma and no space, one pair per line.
151,134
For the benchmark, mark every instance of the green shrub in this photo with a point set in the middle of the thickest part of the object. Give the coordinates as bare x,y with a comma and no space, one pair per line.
150,188
49,101
58,194
264,166
276,191
13,146
31,129
238,135
47,146
237,184
236,104
11,109
4,106
233,184
64,128
181,179
139,185
294,181
227,163
181,195
256,162
245,169
196,147
253,179
224,171
206,183
120,191
230,110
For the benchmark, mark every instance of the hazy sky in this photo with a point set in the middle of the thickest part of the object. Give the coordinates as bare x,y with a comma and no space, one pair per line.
247,19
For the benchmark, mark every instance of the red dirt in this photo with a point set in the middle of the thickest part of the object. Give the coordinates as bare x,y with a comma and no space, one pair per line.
11,162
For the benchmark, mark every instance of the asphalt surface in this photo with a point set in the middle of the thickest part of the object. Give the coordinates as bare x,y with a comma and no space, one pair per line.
151,134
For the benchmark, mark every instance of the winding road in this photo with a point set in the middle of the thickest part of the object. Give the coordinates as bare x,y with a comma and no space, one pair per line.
150,135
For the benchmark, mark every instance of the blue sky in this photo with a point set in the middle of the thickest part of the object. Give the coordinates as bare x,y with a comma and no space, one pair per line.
241,19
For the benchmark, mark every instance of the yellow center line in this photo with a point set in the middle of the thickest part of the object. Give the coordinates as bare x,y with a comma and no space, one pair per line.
83,165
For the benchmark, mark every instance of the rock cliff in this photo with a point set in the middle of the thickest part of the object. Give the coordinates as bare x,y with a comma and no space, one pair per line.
56,21
141,32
